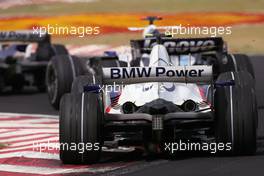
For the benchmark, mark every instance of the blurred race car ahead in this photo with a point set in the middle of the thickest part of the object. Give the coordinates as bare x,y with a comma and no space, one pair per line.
24,56
63,69
177,90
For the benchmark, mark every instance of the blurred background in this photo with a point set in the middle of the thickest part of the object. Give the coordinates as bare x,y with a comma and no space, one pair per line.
114,16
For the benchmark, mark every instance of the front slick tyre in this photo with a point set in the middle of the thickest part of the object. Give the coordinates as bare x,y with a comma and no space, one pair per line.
235,114
80,128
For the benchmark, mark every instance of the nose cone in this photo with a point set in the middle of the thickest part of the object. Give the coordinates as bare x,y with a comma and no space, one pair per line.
159,56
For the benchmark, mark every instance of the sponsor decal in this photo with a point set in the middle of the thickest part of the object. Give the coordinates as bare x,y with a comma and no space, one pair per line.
145,89
169,89
188,46
138,72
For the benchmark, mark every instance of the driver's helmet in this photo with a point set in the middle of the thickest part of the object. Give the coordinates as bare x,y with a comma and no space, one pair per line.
151,29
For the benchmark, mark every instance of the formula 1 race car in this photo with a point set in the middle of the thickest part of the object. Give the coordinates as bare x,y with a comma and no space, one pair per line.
176,90
63,69
24,56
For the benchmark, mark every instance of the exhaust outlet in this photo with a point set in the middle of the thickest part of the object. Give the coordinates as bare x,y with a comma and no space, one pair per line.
129,108
189,105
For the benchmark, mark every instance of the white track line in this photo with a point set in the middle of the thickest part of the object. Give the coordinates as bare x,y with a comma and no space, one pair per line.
34,121
32,137
46,140
31,154
3,130
29,131
18,125
52,145
49,171
24,114
48,146
17,149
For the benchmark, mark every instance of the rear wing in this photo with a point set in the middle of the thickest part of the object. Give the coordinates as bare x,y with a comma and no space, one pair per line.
131,75
177,46
23,36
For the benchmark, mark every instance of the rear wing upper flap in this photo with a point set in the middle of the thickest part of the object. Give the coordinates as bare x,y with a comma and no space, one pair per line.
178,46
202,74
23,36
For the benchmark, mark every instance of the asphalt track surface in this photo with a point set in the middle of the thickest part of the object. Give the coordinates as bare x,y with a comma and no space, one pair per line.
33,102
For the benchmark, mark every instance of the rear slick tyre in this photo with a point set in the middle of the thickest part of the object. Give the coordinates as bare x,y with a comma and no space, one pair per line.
235,114
80,124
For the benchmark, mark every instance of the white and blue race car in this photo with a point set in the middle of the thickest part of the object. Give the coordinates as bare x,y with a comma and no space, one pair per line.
24,56
172,90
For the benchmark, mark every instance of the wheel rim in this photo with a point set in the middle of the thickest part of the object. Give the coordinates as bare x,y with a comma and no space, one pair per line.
52,83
